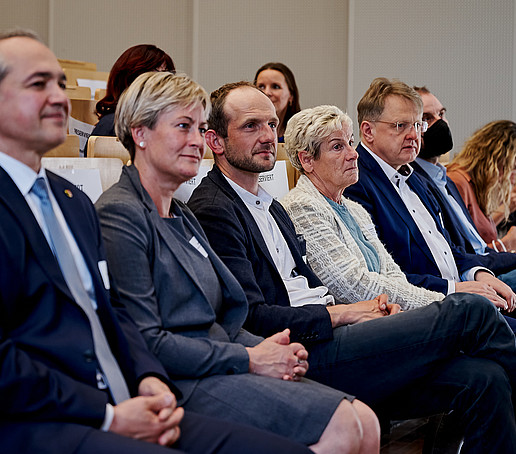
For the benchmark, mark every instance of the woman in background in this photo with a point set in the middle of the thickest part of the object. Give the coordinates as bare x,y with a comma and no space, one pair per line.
277,81
134,61
484,174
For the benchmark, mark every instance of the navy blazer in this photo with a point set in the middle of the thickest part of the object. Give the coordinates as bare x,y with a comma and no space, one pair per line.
397,229
48,367
498,262
235,236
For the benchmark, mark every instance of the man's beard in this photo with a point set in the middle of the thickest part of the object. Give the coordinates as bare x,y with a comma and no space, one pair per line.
245,162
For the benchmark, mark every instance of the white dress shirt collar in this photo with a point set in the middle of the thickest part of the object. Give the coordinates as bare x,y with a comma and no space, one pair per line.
22,175
298,289
437,172
263,200
396,177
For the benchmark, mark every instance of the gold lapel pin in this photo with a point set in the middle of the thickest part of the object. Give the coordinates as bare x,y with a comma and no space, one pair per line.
68,193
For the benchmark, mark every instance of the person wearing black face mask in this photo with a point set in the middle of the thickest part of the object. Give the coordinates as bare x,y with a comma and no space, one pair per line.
437,140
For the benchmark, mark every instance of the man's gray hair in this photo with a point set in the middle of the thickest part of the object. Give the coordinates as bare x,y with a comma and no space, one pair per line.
14,33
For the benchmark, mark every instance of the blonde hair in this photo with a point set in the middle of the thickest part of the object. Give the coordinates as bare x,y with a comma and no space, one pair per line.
489,156
307,129
148,96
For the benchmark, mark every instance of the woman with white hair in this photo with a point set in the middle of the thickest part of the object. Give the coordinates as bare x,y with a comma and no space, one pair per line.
342,246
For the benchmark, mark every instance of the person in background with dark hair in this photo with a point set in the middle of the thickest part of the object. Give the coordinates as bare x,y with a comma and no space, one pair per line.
134,61
277,81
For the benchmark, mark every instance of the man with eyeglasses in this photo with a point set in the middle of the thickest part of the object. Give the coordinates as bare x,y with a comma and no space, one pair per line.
436,141
419,362
406,218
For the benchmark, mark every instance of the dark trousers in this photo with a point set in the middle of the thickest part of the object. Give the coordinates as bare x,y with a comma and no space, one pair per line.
458,355
199,435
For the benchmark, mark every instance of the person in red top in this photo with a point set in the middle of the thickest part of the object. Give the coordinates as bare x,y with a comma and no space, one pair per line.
484,173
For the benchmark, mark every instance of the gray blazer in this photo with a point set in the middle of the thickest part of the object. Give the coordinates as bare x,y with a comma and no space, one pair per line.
158,286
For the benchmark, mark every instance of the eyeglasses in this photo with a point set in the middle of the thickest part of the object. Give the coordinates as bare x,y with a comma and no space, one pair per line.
404,127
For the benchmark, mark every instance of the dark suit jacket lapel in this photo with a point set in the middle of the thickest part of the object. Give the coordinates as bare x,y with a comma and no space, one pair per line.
218,178
391,196
286,231
380,180
67,201
454,192
170,240
15,202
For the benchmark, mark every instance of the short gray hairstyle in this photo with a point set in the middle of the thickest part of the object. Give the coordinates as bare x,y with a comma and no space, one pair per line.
14,33
307,129
150,95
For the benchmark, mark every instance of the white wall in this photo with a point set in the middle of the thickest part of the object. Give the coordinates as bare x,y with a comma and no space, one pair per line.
236,37
463,50
32,14
216,41
100,30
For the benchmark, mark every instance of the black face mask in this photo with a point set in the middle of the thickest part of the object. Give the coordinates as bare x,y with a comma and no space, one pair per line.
437,140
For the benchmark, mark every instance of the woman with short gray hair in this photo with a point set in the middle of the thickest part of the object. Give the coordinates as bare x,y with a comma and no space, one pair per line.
342,246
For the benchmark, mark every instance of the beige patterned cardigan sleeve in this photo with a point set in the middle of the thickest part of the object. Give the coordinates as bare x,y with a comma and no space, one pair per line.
336,258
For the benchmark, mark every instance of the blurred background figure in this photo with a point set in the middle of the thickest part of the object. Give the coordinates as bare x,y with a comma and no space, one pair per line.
484,174
277,81
134,61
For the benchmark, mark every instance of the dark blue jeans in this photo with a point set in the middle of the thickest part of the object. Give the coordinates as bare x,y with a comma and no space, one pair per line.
509,278
458,355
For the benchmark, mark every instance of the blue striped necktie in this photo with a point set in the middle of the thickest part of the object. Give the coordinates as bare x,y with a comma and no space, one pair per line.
61,249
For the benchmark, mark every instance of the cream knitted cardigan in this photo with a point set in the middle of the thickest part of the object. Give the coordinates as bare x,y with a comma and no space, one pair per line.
336,258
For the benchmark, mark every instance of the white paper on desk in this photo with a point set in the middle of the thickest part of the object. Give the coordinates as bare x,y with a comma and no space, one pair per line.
275,181
184,192
81,129
87,180
93,84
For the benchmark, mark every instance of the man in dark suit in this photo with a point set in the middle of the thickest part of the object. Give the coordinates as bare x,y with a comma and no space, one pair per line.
406,217
436,141
75,374
399,364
